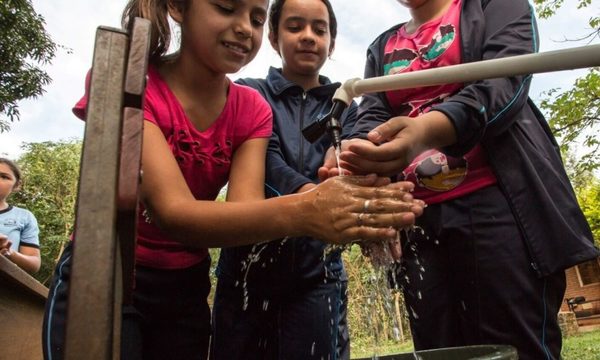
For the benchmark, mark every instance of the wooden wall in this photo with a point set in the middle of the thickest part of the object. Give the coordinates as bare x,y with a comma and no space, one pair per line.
22,301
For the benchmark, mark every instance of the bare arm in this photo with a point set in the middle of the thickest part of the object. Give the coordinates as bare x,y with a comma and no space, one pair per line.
247,175
27,258
328,212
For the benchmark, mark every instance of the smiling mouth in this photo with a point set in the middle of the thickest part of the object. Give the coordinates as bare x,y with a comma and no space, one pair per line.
237,47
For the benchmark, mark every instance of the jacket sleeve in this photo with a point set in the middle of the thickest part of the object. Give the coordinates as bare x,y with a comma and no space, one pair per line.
373,109
280,178
486,108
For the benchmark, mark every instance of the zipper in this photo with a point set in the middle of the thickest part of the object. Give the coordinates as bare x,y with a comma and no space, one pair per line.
300,166
301,123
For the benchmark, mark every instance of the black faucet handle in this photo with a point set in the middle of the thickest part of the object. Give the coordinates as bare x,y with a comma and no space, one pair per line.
313,131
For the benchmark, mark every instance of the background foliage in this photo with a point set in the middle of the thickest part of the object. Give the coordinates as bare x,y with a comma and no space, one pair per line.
574,114
50,173
24,47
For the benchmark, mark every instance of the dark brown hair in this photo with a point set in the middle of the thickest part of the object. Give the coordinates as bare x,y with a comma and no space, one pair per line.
275,17
157,11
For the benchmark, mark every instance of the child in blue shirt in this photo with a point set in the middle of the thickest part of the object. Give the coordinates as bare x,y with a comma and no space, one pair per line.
19,230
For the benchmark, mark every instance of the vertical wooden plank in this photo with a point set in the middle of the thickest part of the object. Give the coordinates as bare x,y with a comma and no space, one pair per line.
91,310
131,149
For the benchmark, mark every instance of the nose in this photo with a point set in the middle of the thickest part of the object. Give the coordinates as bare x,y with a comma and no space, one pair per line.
243,27
308,36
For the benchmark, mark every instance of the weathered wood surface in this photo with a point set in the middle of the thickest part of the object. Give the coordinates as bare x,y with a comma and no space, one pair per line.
131,150
22,301
103,258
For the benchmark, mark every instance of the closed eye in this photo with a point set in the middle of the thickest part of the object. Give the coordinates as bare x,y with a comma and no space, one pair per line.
320,27
224,9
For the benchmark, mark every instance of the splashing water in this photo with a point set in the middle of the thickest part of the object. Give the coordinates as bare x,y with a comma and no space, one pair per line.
337,161
253,258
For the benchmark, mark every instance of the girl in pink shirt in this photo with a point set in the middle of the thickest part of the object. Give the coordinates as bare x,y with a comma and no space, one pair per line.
201,132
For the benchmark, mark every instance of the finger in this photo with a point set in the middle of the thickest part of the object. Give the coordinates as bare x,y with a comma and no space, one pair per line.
400,219
366,234
323,174
386,151
381,194
417,209
360,180
396,247
368,162
405,186
383,181
350,168
386,131
329,160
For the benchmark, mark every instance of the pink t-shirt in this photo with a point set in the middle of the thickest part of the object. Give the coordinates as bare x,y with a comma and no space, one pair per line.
437,177
204,157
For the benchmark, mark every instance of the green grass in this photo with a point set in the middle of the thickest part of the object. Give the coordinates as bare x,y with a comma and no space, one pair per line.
583,346
360,350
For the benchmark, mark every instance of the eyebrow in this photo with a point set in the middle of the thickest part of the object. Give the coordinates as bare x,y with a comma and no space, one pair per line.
300,18
263,11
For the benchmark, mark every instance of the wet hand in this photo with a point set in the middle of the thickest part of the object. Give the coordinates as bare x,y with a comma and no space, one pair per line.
389,151
346,209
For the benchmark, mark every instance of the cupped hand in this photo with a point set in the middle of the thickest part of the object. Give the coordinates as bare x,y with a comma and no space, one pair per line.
391,148
350,208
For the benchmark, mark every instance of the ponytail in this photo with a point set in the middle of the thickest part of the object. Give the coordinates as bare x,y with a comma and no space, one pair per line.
157,11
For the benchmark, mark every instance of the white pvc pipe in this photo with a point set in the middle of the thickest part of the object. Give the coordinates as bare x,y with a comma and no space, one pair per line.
558,60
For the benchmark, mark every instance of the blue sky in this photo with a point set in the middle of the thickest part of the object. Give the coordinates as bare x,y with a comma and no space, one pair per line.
73,24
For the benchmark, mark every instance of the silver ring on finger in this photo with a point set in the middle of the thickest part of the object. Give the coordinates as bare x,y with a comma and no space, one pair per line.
359,220
366,206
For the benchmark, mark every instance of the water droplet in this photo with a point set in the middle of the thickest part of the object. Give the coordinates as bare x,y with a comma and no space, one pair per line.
414,313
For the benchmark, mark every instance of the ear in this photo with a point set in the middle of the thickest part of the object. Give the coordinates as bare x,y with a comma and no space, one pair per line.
273,41
175,9
17,186
331,48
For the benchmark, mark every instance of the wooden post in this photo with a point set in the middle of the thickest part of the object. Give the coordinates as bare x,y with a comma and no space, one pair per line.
107,203
91,311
